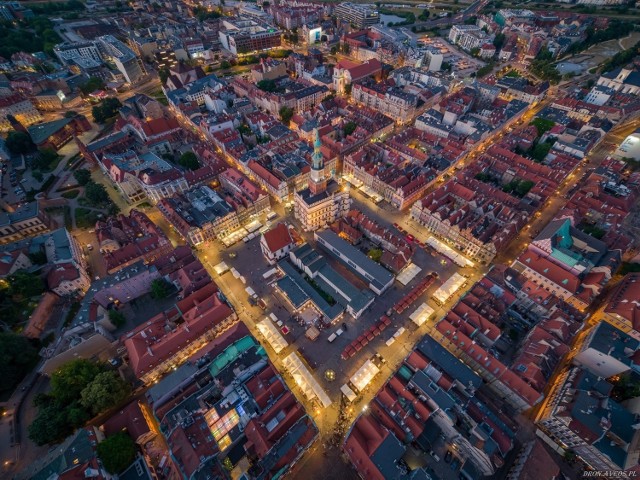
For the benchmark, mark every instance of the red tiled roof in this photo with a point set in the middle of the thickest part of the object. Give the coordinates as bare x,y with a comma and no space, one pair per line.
129,418
149,345
61,273
550,270
625,301
278,237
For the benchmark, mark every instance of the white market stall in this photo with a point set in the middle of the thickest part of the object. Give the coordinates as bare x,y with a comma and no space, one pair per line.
351,396
422,314
272,334
221,268
408,273
364,375
449,252
305,379
449,287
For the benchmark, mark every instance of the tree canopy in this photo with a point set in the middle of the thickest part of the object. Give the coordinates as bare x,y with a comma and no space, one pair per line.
107,109
117,452
79,389
104,391
189,160
82,176
18,355
96,193
286,113
349,128
91,85
160,288
19,143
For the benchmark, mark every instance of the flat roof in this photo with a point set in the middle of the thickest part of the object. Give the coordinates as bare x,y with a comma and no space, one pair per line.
374,273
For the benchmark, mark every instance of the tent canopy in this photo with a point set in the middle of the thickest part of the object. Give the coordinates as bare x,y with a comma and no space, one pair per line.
422,314
305,379
272,334
364,375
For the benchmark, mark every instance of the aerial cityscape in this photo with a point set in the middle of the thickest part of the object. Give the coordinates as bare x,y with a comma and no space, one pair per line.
318,240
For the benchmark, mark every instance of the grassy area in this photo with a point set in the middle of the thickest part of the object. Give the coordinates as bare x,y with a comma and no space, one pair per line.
70,194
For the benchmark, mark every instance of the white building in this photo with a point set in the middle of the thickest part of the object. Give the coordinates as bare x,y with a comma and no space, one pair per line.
630,147
323,202
276,243
126,61
68,51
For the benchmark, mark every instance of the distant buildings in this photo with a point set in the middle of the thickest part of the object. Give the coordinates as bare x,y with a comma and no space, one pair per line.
425,403
243,35
569,263
27,221
323,202
361,16
19,107
126,61
390,101
346,72
123,240
623,309
228,414
68,51
377,277
623,80
468,37
202,214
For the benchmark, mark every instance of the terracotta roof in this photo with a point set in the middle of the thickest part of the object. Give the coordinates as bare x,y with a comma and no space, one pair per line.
129,418
550,270
61,273
625,301
150,344
278,237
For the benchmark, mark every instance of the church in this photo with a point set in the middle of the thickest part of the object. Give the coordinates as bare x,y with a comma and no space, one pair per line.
324,201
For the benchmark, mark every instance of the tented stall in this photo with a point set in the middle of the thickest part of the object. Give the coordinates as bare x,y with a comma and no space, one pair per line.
305,379
272,334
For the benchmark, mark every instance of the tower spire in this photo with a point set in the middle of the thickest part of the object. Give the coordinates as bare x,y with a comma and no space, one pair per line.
318,161
317,182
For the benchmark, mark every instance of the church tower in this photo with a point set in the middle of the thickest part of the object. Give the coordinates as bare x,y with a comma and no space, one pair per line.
317,182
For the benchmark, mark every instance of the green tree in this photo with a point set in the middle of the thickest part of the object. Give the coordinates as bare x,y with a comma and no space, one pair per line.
160,288
267,85
117,452
286,113
542,125
106,390
349,128
96,193
46,160
91,85
163,73
106,110
82,176
18,355
117,318
19,143
499,40
424,16
70,114
50,425
225,64
189,160
68,382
